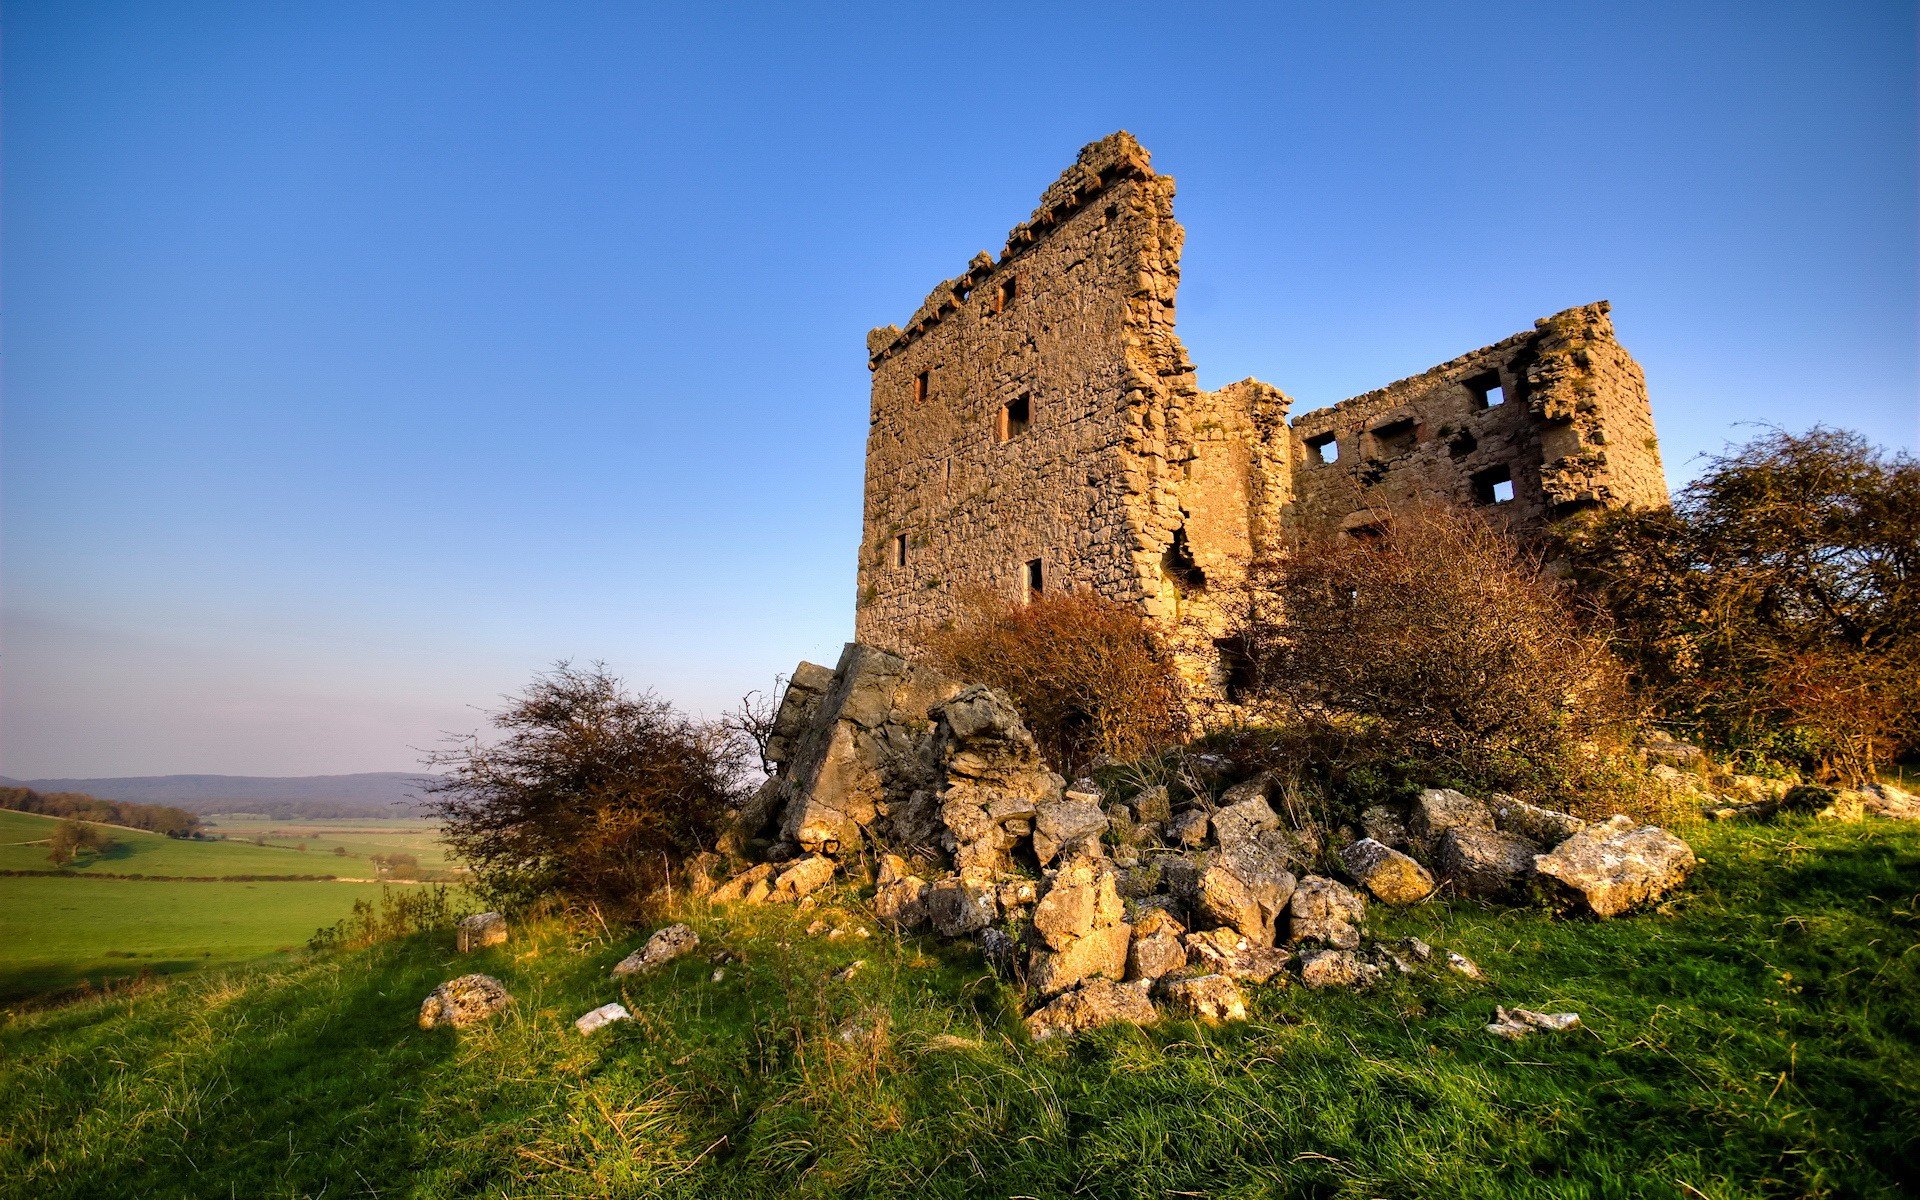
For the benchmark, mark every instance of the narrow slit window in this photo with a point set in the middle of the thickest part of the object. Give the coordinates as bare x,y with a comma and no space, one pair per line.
1033,576
1487,390
900,550
1493,486
920,383
1003,299
1324,449
1015,416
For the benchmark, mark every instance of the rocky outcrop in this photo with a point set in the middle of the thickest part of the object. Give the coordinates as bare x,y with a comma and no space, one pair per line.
995,780
478,931
663,947
462,1002
1393,878
1612,867
1095,1002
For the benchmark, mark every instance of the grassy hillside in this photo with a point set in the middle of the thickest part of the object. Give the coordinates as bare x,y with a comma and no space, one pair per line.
137,852
1757,1036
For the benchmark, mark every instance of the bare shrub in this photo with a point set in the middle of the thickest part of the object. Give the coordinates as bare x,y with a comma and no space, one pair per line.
399,913
1439,644
589,794
1085,672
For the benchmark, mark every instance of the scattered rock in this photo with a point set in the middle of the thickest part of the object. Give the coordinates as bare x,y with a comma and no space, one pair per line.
996,782
603,1016
1485,862
1244,814
1514,1024
1337,968
480,930
1386,826
1069,819
1611,867
1441,810
803,877
1188,829
850,970
1095,1002
1157,949
663,947
1886,800
1460,964
1327,912
718,974
960,908
1393,878
1417,948
1229,952
750,886
1080,923
465,1001
1153,806
1207,997
1846,805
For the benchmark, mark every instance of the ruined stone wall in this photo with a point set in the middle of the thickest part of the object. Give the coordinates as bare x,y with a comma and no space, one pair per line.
1040,408
1569,427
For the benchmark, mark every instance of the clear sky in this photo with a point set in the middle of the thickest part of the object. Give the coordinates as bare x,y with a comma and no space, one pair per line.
363,359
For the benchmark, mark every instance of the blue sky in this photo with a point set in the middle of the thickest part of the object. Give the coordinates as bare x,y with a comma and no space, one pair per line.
362,360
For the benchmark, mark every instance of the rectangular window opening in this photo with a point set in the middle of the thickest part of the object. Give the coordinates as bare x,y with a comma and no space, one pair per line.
1396,437
1324,449
1034,578
1003,299
1015,417
920,383
900,550
1487,391
1493,486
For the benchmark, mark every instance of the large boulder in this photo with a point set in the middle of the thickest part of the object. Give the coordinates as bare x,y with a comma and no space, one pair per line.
1095,1002
1442,810
1157,949
1542,826
1393,878
480,930
663,947
1071,818
1245,885
1079,924
1326,912
1611,867
1485,862
465,1001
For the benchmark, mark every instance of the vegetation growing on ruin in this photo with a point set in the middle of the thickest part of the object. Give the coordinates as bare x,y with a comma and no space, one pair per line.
1755,1037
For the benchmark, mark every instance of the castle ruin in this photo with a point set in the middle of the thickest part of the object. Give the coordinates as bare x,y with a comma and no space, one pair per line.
1036,425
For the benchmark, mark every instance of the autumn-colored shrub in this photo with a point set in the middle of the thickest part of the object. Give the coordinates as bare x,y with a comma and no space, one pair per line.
1085,672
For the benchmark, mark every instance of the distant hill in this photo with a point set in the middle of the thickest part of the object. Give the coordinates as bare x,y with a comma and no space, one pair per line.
374,793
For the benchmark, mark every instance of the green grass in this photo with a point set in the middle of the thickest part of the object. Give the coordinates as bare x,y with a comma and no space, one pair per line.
60,931
361,836
1758,1036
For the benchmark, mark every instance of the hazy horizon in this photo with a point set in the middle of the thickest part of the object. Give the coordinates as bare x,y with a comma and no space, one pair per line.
363,361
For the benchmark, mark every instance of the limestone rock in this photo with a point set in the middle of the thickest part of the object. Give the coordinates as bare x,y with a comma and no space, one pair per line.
1157,949
1514,1024
802,877
902,903
1460,964
702,874
1229,952
995,781
663,947
1152,806
1100,953
1207,997
1060,822
1393,878
1188,829
750,886
1541,826
1440,810
1386,826
601,1017
1095,1002
1337,968
465,1001
1613,866
1079,923
960,907
1847,805
480,930
1886,800
1245,818
1323,911
1485,862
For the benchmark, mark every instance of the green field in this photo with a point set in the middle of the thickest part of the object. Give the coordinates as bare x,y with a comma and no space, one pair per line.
360,836
59,929
1756,1036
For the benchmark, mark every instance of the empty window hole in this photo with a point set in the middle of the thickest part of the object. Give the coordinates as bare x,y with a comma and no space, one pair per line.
900,550
1324,449
1015,416
1486,389
1493,486
1034,578
920,383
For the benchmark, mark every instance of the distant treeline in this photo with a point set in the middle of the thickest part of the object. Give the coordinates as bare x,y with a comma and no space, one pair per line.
157,818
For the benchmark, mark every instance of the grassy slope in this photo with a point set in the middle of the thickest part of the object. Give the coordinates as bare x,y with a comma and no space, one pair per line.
137,852
1757,1037
56,931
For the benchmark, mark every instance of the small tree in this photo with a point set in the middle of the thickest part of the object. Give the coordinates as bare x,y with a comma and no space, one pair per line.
71,839
1086,674
589,793
1438,640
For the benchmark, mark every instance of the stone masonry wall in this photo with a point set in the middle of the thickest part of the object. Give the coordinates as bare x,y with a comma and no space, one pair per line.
1040,409
1571,428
